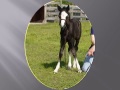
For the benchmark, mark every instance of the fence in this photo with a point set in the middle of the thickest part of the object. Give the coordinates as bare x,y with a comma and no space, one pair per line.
51,12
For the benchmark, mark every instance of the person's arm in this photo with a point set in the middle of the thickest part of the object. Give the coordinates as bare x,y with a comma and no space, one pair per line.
92,49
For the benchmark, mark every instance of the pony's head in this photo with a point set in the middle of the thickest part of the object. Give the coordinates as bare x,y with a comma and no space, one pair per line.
63,15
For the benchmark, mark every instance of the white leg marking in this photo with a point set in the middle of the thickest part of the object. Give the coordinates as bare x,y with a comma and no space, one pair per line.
78,66
57,67
74,63
69,63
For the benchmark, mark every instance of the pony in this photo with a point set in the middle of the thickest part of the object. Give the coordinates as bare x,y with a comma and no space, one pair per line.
70,33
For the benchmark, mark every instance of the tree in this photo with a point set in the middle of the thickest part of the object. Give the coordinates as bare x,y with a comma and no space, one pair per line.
64,2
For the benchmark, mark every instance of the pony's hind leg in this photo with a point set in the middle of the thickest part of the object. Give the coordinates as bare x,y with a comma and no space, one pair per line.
76,44
78,65
75,62
70,55
76,49
69,62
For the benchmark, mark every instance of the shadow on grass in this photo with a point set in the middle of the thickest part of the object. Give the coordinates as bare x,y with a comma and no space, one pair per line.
62,64
81,63
53,64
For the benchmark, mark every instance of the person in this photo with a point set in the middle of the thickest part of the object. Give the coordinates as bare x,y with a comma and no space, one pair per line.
90,54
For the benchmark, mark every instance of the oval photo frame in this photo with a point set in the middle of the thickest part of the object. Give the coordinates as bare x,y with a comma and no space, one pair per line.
42,44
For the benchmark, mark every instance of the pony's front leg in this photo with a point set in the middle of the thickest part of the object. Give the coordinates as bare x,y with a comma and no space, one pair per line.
57,67
60,56
76,63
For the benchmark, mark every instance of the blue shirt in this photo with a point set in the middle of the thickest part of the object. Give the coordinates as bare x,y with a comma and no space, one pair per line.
92,31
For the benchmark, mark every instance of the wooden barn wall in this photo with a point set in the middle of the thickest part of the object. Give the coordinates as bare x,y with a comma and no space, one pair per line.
39,15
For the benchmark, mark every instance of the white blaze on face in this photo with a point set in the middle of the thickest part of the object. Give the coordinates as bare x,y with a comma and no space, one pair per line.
63,17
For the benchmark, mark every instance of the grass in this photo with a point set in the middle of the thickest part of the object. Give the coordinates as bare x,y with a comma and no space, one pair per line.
42,48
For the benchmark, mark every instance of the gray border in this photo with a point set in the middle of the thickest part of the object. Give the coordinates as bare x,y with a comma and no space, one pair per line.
14,18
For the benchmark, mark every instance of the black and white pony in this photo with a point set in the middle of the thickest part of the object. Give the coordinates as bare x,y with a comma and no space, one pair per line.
70,33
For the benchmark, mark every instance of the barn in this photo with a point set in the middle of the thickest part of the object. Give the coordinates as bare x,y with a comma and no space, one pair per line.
39,15
49,13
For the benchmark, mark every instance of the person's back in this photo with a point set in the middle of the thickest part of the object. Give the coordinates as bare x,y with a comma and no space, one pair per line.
90,54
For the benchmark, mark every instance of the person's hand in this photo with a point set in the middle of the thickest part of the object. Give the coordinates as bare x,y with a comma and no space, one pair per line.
91,51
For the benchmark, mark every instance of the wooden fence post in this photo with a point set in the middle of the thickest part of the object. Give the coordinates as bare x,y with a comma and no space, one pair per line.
71,12
45,14
51,13
81,15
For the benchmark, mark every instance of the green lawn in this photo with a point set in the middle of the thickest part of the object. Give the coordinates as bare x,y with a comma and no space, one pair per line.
42,48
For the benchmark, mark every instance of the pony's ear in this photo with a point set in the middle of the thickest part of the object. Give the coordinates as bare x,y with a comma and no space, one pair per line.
59,8
68,8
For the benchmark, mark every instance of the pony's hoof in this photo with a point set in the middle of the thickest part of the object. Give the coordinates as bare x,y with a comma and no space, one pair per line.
79,71
74,66
55,71
69,67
